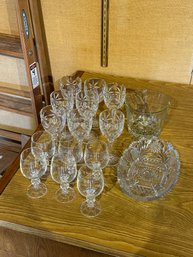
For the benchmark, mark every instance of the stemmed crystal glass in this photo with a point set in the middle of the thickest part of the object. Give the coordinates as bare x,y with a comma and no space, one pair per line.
69,145
79,125
62,101
96,155
111,125
67,82
52,122
63,171
96,84
34,168
43,140
87,104
114,95
90,186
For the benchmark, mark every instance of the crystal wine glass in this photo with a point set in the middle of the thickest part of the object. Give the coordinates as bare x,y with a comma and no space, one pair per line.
111,125
96,155
52,122
90,186
62,101
114,95
69,145
63,171
43,140
71,82
79,125
95,83
34,168
87,104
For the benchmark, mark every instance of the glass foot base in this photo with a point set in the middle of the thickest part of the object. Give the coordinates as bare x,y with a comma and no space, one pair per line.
65,197
33,192
90,211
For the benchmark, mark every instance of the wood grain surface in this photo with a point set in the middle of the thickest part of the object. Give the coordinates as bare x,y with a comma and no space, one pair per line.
125,227
9,150
10,135
14,89
15,104
17,244
41,49
147,39
16,122
10,45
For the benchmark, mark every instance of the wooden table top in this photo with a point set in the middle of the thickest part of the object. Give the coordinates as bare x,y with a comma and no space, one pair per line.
125,227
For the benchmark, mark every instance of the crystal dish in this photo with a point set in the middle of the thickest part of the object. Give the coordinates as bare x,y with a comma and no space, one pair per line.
148,169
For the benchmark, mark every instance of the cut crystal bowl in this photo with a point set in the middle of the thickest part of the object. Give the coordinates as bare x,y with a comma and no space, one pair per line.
148,169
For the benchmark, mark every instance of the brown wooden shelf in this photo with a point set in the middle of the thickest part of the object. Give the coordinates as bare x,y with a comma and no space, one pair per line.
10,135
10,45
14,91
16,104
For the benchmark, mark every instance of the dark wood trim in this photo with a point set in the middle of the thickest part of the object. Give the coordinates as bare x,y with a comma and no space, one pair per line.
11,135
9,173
42,49
16,104
10,45
29,52
24,140
78,73
13,91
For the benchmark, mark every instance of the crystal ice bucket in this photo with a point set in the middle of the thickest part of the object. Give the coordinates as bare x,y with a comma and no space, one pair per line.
146,112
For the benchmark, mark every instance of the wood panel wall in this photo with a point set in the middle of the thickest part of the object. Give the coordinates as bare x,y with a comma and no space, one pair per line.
148,39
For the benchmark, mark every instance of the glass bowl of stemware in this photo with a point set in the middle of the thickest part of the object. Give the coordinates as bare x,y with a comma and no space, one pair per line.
148,169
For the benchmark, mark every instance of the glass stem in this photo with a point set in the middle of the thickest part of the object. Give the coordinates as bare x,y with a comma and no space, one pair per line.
64,186
96,172
95,121
90,200
110,146
80,143
55,138
35,182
